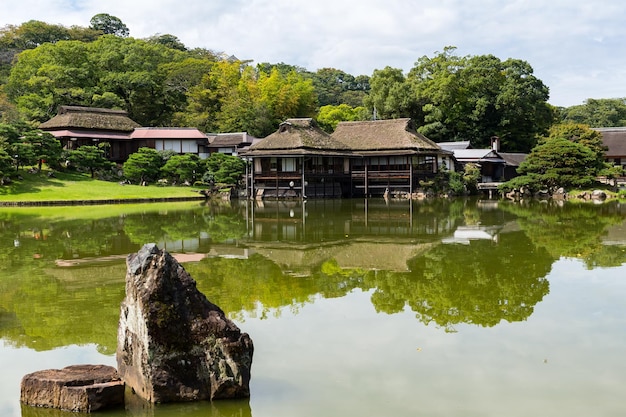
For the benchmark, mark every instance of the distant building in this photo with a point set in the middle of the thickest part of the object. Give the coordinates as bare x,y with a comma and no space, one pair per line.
229,143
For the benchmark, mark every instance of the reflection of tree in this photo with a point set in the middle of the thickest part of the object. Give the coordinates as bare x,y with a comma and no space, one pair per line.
571,230
480,283
238,285
65,306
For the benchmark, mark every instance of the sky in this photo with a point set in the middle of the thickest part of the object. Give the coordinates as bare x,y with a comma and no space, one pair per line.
576,47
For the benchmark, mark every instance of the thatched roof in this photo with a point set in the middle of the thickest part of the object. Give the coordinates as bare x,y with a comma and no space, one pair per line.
297,137
90,118
382,135
614,138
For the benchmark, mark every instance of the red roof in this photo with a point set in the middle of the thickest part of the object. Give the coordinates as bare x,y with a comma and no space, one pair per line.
92,134
167,133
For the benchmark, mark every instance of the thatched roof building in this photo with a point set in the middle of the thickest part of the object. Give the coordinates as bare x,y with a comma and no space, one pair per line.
90,118
614,138
383,137
298,137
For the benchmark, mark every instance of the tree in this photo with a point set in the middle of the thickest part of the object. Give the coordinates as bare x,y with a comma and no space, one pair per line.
225,169
183,168
556,162
329,116
91,158
31,34
470,98
168,40
597,113
6,163
143,166
109,25
390,96
111,71
44,147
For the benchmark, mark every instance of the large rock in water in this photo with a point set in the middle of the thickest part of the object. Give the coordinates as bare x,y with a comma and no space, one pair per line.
173,344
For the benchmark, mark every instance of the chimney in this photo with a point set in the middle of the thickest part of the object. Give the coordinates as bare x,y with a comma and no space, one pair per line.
495,143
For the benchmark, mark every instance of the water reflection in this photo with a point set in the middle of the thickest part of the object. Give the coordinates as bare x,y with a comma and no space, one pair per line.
450,262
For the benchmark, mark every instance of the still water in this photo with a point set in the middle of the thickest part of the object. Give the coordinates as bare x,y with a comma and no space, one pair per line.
355,307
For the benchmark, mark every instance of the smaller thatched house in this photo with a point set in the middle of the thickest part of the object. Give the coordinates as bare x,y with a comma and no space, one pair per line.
76,126
298,160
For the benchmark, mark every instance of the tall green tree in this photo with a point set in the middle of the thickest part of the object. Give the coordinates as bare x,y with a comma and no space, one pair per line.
109,25
390,95
477,97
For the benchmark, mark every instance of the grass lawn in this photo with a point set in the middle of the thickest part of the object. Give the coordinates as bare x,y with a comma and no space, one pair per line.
74,186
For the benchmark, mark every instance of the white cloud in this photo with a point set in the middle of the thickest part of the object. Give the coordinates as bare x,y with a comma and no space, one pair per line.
574,46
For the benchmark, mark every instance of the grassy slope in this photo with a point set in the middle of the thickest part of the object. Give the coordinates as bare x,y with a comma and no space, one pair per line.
73,186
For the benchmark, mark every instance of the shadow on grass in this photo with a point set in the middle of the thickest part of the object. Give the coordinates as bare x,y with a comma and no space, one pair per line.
28,182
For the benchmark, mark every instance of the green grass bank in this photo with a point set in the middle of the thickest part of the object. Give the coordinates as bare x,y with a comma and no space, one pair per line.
77,188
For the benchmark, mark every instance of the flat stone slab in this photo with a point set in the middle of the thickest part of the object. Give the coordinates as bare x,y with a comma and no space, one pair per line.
81,388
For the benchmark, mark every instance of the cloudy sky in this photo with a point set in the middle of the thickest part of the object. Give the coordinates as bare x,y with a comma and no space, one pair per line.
576,47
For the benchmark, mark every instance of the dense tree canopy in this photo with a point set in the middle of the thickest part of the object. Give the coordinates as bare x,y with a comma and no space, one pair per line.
466,98
598,113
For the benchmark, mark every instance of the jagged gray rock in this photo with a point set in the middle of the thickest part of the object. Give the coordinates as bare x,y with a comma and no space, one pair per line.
173,344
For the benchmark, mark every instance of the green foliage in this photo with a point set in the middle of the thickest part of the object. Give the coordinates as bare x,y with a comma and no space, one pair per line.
44,147
335,87
183,168
557,162
597,113
390,96
471,176
143,166
6,164
109,25
225,169
330,115
91,158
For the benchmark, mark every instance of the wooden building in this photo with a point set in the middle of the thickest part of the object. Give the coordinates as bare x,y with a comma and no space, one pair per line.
359,159
76,126
230,143
614,138
177,139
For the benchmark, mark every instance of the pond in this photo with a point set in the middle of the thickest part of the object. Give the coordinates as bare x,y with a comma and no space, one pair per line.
356,307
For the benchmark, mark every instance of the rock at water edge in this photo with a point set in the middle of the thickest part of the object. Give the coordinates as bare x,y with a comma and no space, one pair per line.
174,344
